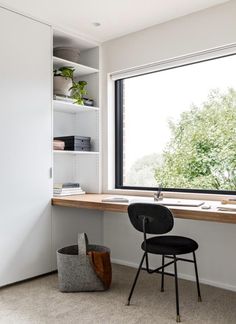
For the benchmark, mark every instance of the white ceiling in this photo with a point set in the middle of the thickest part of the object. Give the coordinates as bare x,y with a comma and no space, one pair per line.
117,17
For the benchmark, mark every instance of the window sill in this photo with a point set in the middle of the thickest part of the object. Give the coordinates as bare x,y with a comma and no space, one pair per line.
178,195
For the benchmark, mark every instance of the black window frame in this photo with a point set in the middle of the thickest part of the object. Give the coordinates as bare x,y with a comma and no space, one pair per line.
119,95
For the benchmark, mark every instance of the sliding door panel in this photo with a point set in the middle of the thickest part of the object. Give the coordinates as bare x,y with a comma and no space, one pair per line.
25,147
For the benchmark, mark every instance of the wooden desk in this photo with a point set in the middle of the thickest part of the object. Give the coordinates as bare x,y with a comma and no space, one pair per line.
94,201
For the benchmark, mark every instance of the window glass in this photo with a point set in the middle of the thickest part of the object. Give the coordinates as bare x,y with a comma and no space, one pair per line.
177,128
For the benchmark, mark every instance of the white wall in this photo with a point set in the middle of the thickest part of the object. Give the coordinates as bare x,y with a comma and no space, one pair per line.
215,256
197,32
68,222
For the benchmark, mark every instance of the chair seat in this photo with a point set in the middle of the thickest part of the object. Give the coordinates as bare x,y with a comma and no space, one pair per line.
170,245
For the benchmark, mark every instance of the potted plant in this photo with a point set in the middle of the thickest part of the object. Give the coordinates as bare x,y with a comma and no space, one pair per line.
78,91
64,85
62,81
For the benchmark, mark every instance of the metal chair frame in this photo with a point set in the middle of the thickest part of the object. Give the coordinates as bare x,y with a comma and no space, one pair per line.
162,272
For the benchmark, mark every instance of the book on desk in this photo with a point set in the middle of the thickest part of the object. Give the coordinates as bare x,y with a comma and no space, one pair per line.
67,189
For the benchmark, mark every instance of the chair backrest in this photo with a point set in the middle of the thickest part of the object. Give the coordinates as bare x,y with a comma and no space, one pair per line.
159,218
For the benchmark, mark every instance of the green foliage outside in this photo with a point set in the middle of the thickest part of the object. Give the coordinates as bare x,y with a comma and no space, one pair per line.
201,153
142,171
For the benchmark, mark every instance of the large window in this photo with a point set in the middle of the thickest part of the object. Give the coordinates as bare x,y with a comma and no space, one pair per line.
176,128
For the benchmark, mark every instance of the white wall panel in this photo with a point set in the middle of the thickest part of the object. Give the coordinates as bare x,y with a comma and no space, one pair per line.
215,255
201,31
68,222
25,143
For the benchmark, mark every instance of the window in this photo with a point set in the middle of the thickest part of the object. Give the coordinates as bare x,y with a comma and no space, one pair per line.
176,128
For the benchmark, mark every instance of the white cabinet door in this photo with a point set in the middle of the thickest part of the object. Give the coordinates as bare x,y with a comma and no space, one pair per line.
25,147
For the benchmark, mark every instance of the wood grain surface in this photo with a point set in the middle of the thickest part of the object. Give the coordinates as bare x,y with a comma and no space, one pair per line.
94,201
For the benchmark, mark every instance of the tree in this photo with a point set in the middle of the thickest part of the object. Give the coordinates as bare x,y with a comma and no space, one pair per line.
142,172
201,153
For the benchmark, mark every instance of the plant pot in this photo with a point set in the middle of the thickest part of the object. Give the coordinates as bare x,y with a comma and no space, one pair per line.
61,86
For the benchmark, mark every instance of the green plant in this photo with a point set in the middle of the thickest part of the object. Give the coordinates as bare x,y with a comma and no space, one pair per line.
78,91
64,71
78,88
202,150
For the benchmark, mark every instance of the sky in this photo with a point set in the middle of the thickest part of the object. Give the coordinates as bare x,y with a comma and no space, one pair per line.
153,99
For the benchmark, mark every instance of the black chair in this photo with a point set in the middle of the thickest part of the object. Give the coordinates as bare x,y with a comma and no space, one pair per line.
157,219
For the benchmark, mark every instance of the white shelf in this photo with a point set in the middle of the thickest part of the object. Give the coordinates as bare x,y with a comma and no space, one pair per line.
80,69
70,118
69,107
76,152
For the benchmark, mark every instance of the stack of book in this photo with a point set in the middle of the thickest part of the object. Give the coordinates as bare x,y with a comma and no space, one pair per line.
67,189
58,145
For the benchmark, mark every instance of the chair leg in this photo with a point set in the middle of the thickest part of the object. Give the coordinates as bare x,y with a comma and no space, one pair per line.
176,291
197,279
135,280
162,273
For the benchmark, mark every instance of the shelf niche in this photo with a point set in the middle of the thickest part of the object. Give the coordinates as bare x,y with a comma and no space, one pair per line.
72,119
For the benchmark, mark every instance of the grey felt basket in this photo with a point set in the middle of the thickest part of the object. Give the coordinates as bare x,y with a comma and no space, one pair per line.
75,270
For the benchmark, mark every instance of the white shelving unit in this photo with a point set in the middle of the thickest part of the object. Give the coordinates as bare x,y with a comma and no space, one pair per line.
72,119
70,108
76,152
80,69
